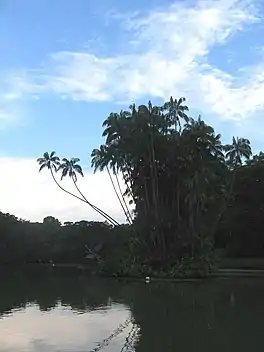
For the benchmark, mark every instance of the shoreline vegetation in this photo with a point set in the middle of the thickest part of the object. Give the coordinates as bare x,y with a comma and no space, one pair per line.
196,202
220,273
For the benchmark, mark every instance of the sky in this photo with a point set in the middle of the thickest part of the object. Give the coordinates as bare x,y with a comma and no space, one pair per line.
66,64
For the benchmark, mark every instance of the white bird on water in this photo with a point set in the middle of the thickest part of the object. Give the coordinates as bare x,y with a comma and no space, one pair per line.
147,279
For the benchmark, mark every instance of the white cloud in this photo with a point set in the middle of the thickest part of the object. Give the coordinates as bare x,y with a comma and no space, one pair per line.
32,195
168,56
12,88
8,115
4,115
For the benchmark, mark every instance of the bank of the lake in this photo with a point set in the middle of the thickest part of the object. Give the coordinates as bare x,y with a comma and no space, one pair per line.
228,267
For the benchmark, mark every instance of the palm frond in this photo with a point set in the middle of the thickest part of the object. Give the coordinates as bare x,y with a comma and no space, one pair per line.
64,173
55,158
78,169
42,167
75,160
41,160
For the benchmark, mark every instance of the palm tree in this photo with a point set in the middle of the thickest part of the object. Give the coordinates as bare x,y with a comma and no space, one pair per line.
204,134
71,168
112,127
237,151
118,131
176,111
205,158
258,158
100,159
52,163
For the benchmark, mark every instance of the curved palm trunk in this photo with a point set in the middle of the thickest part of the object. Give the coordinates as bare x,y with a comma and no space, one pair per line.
123,198
114,222
63,189
100,211
114,187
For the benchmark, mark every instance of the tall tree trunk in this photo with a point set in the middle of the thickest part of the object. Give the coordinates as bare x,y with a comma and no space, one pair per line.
225,205
147,197
123,198
178,199
127,169
119,199
153,176
107,217
100,211
155,190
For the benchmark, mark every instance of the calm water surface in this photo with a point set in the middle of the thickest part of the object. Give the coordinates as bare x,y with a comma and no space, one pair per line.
62,311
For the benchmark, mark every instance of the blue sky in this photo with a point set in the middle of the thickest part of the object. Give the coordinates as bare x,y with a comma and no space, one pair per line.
66,64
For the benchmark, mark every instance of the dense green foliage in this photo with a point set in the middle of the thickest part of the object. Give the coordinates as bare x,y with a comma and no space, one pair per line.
241,228
81,242
191,193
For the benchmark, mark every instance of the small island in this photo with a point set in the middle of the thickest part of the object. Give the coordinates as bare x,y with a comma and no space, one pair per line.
196,202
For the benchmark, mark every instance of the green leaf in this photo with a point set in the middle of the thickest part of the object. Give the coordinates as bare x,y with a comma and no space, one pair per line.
42,167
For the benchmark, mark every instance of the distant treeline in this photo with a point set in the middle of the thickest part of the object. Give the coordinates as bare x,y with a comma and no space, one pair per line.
240,231
80,242
191,193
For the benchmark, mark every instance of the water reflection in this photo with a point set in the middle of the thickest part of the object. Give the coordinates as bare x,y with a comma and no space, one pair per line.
50,311
60,329
58,311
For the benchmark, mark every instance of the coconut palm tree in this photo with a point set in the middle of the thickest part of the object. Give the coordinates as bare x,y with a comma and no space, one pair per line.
205,135
120,132
258,158
176,111
68,167
112,127
71,168
237,151
101,158
52,163
49,161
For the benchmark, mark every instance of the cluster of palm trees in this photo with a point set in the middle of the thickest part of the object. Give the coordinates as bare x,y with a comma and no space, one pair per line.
177,173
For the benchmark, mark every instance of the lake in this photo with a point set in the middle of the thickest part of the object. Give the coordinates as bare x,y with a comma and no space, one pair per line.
66,311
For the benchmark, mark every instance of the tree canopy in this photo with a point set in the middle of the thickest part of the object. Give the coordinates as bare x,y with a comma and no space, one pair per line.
191,194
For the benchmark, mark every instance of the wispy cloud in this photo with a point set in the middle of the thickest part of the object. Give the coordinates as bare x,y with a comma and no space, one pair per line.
168,55
12,90
8,114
